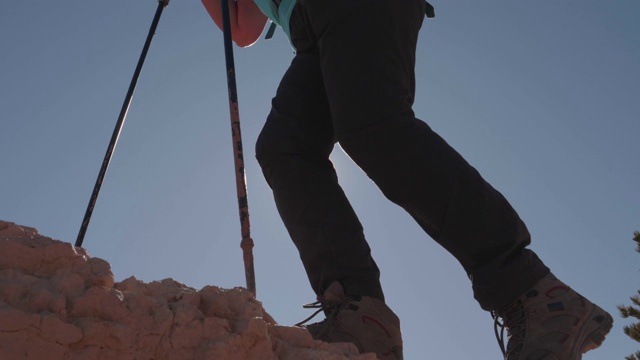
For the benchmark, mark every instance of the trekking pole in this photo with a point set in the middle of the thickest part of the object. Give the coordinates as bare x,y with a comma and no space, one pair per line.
241,187
116,132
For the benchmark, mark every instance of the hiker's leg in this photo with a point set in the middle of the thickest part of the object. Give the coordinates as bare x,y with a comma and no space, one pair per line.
293,150
367,54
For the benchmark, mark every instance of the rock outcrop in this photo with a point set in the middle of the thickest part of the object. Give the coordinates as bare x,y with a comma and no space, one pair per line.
57,302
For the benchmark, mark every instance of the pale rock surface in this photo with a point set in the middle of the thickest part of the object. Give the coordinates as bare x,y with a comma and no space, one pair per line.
57,302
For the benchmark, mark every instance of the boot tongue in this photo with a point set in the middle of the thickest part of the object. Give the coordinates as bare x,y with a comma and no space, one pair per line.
334,293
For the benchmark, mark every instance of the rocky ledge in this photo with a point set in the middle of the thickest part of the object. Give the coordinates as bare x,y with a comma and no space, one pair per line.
57,302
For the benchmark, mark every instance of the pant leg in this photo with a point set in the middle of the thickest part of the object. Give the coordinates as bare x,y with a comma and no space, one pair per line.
367,55
293,150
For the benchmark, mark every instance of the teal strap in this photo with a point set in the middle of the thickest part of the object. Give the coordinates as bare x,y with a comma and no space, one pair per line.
272,29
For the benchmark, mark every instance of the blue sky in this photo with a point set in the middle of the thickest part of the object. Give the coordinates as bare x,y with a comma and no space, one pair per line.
541,97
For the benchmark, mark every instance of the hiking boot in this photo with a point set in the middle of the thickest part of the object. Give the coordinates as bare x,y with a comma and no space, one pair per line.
551,322
362,320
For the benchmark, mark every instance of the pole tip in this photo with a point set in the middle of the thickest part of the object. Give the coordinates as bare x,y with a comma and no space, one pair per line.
164,3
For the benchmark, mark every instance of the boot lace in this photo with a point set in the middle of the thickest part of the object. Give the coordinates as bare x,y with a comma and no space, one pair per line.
512,318
329,308
498,330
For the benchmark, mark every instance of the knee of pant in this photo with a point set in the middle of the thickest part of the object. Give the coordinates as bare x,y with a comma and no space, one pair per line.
264,149
279,144
272,145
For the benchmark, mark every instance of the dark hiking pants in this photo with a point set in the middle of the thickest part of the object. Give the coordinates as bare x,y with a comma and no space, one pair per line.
352,82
